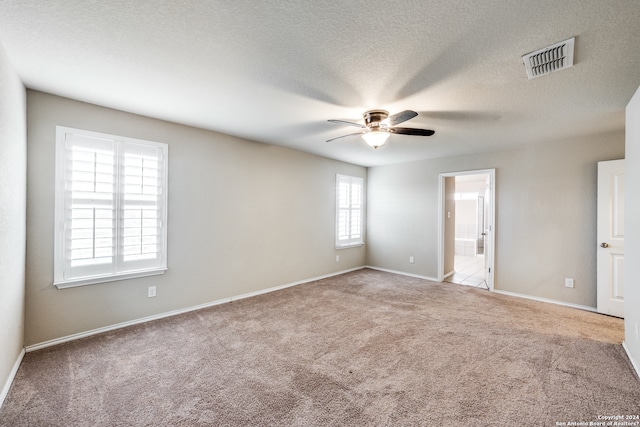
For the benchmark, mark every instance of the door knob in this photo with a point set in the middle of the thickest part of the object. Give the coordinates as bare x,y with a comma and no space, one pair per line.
604,245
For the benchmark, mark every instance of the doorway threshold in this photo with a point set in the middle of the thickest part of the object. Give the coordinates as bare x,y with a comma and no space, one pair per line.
469,271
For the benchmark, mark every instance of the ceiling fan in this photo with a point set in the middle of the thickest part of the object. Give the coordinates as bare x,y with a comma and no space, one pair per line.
379,125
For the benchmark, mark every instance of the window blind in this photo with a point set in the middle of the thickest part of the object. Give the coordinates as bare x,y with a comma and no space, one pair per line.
110,206
349,210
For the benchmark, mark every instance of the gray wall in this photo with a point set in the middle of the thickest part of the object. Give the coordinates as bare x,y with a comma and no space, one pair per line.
243,216
632,237
545,215
13,194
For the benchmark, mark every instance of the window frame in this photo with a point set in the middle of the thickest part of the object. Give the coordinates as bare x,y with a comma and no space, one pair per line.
351,241
61,200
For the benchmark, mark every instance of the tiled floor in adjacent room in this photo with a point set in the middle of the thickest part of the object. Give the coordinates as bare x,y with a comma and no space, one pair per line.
469,270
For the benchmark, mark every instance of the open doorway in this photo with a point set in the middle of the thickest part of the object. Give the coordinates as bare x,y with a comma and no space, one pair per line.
466,228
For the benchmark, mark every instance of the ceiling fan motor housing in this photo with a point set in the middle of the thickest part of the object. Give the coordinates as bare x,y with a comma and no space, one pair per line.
373,118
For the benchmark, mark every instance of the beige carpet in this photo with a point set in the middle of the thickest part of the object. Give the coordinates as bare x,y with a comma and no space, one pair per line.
365,348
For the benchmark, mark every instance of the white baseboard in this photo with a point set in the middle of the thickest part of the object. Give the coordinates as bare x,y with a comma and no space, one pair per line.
12,375
551,301
633,362
497,291
402,273
288,285
85,334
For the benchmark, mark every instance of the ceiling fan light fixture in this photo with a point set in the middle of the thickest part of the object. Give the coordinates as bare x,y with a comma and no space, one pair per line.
376,138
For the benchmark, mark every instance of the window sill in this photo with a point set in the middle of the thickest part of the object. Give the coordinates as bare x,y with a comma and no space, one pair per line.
93,280
352,245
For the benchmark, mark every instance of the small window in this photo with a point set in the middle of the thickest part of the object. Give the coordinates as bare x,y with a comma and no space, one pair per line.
349,211
110,208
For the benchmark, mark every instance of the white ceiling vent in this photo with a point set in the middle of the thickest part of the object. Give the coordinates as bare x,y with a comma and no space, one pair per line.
549,59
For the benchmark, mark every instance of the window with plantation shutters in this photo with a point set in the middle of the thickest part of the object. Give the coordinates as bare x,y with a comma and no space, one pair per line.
349,211
111,208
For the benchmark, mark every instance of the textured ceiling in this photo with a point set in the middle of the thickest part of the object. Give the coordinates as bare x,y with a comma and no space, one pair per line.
275,70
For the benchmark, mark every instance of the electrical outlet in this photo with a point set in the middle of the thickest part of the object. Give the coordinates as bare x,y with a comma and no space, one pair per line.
569,283
151,291
337,258
411,260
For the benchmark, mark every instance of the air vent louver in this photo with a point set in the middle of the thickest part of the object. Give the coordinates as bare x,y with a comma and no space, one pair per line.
550,59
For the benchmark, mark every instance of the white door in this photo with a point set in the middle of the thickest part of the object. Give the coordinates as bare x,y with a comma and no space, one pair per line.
610,259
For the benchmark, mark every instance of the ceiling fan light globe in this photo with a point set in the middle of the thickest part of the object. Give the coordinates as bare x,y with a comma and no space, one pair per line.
376,138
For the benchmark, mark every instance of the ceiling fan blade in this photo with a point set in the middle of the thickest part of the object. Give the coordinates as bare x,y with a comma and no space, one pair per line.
412,131
400,117
344,136
344,122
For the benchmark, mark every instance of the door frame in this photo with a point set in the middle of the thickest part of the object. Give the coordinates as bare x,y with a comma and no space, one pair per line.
490,254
